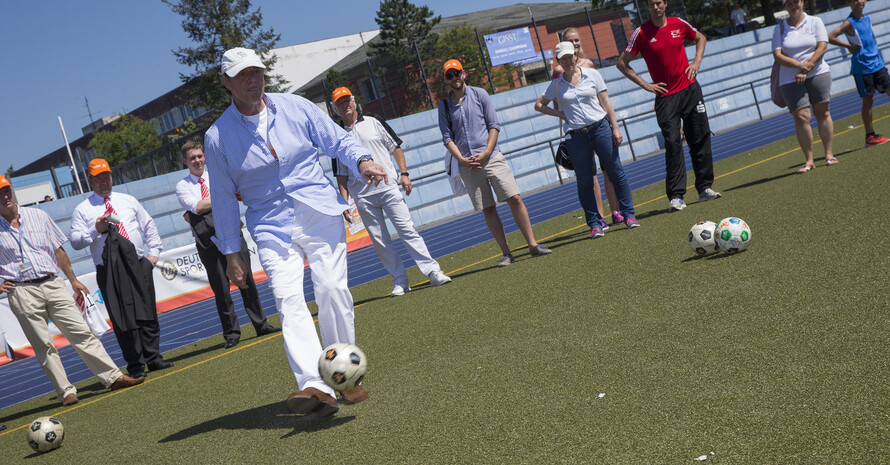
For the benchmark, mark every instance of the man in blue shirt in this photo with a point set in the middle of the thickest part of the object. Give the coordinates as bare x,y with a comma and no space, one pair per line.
867,66
470,131
264,149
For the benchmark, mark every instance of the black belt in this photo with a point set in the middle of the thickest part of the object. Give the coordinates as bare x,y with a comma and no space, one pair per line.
586,129
37,280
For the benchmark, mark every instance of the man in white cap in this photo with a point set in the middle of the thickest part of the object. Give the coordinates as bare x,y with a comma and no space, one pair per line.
372,201
265,148
31,254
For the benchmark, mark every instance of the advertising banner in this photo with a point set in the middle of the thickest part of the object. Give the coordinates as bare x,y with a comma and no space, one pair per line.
510,46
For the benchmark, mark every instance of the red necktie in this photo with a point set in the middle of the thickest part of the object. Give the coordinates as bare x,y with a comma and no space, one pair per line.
204,192
120,226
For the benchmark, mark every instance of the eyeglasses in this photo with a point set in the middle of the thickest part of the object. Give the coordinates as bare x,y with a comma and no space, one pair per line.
452,74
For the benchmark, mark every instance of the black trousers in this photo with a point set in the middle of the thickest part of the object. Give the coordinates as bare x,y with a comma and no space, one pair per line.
215,264
139,346
686,106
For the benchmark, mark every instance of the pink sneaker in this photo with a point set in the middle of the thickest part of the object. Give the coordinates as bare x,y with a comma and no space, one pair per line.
617,218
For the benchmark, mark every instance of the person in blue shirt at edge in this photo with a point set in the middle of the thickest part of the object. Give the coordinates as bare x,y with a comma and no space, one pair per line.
470,131
867,65
264,147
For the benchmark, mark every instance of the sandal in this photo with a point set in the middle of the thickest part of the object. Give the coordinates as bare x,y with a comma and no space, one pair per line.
804,169
833,161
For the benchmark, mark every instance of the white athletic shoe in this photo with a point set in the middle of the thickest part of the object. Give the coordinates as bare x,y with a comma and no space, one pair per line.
676,205
398,290
437,278
708,194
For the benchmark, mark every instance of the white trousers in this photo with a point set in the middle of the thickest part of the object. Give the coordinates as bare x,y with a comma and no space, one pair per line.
321,240
33,305
391,202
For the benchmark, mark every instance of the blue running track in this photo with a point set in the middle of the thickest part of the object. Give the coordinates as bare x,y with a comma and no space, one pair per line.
24,379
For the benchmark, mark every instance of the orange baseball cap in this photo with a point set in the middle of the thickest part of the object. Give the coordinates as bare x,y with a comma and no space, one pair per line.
340,92
4,182
452,64
97,166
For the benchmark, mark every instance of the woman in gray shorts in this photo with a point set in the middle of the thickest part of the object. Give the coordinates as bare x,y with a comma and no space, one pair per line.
799,43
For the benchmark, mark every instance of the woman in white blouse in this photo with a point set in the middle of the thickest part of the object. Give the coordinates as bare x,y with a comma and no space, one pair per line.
804,78
592,128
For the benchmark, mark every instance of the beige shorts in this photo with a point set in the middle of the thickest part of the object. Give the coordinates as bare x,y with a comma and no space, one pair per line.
495,175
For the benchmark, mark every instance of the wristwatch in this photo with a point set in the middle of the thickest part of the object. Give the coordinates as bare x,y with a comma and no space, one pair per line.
404,173
363,159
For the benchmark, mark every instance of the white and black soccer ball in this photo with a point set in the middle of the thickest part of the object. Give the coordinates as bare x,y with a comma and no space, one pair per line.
702,238
733,235
342,366
46,433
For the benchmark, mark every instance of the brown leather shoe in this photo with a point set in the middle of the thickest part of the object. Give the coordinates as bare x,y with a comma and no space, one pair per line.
312,400
355,395
70,399
124,381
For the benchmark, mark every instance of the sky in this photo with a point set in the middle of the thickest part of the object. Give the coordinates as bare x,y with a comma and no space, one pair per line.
117,54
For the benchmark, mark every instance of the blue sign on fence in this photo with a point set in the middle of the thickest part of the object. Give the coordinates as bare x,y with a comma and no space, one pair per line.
510,46
547,53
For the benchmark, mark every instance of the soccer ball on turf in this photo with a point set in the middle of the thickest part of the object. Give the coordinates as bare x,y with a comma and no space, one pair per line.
702,238
733,235
46,433
342,366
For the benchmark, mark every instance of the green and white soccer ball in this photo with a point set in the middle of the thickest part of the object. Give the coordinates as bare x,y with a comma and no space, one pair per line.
342,366
702,238
46,433
733,235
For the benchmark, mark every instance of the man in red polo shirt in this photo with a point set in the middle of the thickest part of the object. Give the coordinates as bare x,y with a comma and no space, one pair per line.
678,98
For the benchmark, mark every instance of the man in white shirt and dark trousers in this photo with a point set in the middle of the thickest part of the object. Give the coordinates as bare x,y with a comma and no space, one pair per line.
265,147
31,254
125,246
372,201
193,193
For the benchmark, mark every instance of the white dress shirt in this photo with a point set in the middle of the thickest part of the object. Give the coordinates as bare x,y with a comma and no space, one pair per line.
188,191
138,223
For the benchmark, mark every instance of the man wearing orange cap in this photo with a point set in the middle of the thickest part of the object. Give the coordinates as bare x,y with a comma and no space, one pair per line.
31,254
125,246
372,201
470,131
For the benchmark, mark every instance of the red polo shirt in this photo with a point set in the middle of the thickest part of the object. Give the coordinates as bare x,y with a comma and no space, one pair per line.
662,48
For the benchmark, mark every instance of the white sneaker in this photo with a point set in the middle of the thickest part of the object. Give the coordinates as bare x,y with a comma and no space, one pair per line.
708,194
676,205
398,290
437,278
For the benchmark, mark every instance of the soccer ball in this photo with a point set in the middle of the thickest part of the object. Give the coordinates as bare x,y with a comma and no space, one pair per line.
733,235
342,366
46,433
701,238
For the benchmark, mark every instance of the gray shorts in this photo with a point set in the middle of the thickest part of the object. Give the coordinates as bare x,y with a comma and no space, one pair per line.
495,175
816,89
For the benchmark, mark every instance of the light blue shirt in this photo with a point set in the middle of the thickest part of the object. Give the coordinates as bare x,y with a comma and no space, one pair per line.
239,160
581,103
470,122
867,59
29,252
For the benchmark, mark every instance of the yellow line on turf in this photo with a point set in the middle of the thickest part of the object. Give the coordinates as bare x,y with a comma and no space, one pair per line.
228,352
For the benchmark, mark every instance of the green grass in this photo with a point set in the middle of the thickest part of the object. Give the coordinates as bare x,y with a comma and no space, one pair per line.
775,355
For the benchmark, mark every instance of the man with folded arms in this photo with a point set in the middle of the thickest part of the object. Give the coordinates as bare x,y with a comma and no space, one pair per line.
125,246
30,256
193,193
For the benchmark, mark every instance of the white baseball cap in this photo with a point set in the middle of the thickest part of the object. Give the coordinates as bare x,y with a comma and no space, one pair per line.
236,59
564,48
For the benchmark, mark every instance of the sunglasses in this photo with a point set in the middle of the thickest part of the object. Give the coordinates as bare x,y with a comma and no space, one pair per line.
452,74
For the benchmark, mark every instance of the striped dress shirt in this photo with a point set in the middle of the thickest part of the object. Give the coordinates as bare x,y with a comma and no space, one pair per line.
40,237
273,173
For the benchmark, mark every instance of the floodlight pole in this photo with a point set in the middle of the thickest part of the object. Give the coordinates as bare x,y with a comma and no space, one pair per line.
592,34
70,156
484,61
541,46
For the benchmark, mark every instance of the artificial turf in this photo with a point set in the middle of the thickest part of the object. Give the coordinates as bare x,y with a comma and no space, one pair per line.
625,349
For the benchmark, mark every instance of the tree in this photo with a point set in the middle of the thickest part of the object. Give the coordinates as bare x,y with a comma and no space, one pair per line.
10,171
217,26
128,138
403,24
